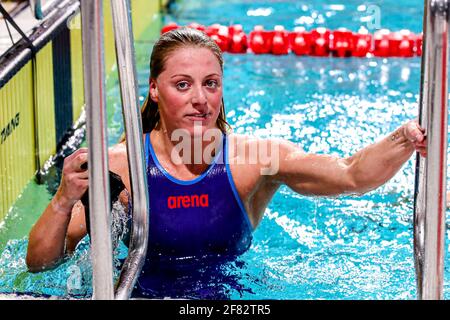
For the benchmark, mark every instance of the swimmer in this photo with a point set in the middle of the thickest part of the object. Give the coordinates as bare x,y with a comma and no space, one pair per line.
209,195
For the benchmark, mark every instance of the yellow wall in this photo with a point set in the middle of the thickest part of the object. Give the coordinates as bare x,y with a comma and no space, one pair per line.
17,161
145,15
18,151
45,103
143,12
109,47
76,57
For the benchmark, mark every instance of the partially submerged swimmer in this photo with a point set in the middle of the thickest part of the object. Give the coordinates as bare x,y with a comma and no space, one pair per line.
207,195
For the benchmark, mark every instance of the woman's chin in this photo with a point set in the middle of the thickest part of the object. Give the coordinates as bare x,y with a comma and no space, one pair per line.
197,126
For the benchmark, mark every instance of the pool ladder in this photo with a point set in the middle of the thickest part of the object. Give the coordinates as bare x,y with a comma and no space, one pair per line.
93,61
431,173
430,186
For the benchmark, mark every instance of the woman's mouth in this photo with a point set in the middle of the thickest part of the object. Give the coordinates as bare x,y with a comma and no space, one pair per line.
198,116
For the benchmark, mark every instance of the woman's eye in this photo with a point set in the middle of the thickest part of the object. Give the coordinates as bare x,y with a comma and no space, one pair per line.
182,85
211,84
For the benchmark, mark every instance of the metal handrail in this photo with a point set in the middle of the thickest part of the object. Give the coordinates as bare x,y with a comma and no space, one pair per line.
431,175
99,193
18,55
123,34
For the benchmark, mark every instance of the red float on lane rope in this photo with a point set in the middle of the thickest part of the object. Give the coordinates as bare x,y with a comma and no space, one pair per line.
238,39
260,40
300,41
280,41
362,44
342,43
320,39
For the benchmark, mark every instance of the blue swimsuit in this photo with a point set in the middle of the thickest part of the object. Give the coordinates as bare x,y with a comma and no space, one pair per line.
200,218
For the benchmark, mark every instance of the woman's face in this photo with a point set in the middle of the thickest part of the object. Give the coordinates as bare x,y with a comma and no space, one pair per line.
189,90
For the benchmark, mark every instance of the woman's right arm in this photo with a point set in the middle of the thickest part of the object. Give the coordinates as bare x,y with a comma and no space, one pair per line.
47,239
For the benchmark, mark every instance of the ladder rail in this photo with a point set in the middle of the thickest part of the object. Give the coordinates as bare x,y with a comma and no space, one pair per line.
99,193
431,175
123,34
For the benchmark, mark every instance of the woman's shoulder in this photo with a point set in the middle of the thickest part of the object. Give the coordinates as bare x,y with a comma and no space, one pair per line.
118,150
118,157
249,141
239,138
260,154
249,150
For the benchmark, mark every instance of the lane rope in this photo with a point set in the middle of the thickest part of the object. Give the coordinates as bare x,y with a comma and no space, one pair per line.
319,42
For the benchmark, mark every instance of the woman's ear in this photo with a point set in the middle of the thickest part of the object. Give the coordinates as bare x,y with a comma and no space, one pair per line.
153,91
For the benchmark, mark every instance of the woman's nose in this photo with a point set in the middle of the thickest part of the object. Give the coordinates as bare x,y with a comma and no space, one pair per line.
198,96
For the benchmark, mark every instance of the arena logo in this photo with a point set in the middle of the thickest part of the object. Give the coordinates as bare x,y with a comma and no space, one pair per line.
192,201
10,127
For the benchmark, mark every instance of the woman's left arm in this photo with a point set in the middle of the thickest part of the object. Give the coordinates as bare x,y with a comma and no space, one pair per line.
366,170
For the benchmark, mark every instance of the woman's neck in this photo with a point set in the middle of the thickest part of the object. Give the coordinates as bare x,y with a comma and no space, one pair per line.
193,152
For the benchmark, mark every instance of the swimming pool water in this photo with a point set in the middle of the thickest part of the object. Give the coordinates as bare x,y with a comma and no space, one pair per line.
305,247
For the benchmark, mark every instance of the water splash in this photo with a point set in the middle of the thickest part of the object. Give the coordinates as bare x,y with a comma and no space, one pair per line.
72,278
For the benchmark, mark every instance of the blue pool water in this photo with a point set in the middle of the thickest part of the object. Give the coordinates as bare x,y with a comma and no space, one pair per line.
305,247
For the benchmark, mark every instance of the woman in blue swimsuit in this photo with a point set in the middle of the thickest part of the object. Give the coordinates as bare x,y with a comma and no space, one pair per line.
209,188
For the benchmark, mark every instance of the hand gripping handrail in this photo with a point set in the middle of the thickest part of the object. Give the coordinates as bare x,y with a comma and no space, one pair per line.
99,197
431,175
123,34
